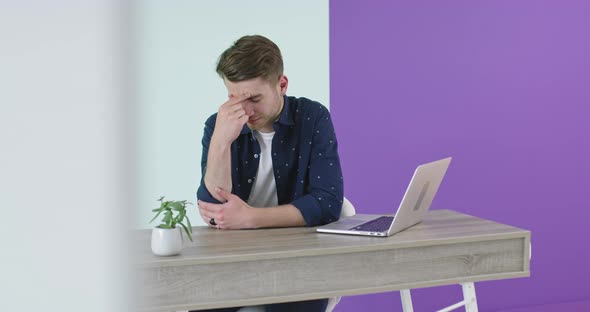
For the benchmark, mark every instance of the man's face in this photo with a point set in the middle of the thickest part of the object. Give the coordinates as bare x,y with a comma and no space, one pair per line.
265,102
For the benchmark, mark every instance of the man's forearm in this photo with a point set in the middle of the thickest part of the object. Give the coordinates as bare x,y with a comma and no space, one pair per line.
218,172
279,216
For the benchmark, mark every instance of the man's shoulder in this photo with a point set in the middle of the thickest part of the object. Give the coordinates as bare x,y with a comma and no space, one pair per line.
303,104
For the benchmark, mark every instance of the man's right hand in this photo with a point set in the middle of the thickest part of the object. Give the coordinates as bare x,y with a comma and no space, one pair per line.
231,118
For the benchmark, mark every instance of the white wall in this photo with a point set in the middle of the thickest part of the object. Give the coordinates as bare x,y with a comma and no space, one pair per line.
63,152
179,43
67,120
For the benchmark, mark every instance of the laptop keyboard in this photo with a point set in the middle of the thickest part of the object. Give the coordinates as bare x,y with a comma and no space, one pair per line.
380,224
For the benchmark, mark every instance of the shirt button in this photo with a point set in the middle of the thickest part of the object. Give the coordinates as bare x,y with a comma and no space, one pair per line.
255,155
249,180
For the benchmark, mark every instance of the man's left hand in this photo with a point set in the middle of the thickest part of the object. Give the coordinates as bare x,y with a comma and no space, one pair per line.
233,214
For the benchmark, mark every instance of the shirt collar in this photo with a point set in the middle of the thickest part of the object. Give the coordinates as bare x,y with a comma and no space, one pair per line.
285,118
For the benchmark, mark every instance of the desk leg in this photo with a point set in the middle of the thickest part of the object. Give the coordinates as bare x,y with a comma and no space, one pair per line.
406,300
469,297
469,300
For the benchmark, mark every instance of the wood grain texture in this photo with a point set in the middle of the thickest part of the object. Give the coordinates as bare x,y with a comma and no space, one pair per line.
238,268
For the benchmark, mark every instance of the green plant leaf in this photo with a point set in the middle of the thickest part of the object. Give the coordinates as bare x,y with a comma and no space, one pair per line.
187,231
181,215
176,206
164,226
168,207
174,220
189,224
167,217
154,218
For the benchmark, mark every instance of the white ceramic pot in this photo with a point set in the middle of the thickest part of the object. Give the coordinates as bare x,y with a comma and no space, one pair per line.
166,242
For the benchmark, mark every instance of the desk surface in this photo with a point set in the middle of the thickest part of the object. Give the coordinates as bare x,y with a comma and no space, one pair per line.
247,267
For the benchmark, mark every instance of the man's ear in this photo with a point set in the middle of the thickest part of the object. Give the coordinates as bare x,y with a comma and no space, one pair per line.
283,84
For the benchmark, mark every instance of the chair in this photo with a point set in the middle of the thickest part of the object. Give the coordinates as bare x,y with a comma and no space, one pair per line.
347,211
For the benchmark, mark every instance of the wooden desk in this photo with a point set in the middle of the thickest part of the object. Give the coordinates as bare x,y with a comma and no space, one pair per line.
250,267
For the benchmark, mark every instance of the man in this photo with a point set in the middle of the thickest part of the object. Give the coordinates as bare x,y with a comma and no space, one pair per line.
269,160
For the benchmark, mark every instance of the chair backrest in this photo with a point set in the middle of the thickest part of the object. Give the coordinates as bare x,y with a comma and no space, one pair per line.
347,209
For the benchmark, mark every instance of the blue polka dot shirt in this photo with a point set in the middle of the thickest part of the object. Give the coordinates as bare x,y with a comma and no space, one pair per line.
305,161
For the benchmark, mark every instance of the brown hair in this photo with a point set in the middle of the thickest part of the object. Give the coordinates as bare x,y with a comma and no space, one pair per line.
251,57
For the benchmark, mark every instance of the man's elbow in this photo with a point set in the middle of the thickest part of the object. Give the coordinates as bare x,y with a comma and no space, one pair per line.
203,194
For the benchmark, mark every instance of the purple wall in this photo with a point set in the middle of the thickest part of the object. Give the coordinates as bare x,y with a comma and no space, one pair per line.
504,88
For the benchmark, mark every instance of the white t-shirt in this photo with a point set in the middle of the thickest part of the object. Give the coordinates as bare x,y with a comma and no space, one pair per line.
264,191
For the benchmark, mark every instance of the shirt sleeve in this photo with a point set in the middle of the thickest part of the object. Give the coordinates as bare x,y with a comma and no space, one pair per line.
202,192
323,202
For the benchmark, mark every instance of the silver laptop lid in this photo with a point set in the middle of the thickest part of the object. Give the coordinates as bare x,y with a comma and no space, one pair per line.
419,195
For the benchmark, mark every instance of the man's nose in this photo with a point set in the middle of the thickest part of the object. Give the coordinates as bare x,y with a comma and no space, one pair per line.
248,107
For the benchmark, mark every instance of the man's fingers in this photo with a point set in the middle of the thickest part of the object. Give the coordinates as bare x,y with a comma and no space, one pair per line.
235,108
230,111
244,118
223,193
241,118
207,216
237,99
237,114
211,208
205,219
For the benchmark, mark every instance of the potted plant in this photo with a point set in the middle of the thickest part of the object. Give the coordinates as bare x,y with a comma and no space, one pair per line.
167,237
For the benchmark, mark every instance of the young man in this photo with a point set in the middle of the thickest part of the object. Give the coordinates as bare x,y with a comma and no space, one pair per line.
269,160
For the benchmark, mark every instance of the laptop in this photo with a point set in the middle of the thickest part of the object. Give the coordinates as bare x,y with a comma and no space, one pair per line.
412,209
